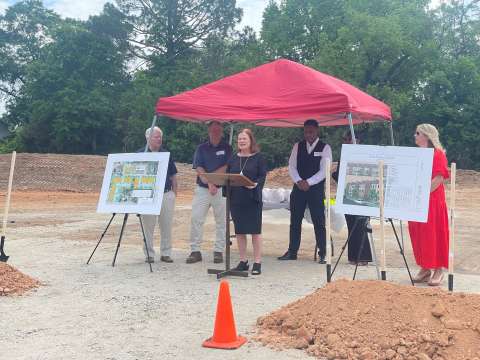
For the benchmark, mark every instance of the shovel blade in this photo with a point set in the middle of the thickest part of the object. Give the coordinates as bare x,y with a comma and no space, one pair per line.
3,257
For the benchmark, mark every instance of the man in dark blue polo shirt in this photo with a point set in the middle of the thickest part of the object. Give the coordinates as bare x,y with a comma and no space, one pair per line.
306,167
165,219
211,156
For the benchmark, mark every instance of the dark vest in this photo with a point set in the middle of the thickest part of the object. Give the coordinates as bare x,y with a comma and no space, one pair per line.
308,164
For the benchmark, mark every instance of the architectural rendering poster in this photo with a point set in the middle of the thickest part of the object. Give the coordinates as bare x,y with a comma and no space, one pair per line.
133,183
407,178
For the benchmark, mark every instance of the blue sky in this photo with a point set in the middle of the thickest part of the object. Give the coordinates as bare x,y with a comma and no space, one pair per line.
252,9
81,9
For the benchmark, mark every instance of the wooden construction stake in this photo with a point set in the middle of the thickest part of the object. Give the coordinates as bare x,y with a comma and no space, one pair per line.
382,220
327,221
453,173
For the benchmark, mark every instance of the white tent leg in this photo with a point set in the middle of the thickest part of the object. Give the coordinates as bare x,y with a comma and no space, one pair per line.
154,121
230,138
392,140
352,131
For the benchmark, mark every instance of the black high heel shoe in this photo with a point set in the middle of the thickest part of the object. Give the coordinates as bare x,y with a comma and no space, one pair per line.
256,269
242,266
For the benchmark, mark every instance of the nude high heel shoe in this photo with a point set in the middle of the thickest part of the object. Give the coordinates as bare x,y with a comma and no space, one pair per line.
436,278
422,276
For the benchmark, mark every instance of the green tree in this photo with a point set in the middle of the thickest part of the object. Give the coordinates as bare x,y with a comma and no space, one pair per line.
24,29
70,97
165,30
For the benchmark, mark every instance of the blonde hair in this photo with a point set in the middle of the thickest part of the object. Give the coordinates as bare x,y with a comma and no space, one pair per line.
431,133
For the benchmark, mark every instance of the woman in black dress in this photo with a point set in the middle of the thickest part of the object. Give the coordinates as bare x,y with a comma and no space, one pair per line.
246,202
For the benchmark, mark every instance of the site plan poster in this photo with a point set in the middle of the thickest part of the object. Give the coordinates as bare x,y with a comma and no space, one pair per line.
407,179
134,183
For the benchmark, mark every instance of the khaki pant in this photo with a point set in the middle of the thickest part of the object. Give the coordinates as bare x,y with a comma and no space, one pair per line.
165,222
202,201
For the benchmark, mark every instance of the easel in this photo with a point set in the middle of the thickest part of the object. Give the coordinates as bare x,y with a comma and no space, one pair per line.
383,273
362,221
227,180
125,218
124,223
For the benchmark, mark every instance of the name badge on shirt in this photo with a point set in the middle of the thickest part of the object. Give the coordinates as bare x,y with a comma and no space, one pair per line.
220,152
317,153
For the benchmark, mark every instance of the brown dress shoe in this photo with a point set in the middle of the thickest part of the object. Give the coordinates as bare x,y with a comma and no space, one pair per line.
166,259
195,256
217,257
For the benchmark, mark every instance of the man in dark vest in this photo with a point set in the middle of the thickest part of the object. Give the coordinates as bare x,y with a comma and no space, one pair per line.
306,167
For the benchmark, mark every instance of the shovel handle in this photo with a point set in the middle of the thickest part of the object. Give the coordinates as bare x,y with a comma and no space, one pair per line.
9,192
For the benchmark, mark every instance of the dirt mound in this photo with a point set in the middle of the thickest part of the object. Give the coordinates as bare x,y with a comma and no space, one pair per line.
13,282
278,177
377,320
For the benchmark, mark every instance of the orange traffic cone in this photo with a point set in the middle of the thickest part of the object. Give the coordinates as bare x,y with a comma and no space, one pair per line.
224,333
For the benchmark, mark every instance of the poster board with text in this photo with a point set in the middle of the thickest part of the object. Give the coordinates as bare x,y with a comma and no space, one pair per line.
407,180
133,183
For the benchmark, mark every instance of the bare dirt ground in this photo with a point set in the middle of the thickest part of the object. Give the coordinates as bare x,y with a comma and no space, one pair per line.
100,312
72,216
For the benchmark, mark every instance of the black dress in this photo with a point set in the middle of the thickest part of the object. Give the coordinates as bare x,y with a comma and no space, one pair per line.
246,204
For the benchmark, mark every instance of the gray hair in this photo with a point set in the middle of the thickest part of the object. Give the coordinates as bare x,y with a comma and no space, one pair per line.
431,133
147,132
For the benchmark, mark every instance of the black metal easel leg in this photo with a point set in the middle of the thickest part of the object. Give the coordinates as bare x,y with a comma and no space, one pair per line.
101,237
145,241
344,247
125,218
450,282
401,251
227,271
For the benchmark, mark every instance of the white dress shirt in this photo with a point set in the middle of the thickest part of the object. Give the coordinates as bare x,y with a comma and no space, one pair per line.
318,176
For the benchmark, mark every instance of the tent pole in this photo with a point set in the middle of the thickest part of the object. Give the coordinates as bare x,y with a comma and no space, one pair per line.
391,133
230,138
352,131
392,139
154,121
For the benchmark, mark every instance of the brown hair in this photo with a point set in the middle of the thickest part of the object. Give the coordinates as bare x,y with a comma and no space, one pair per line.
254,148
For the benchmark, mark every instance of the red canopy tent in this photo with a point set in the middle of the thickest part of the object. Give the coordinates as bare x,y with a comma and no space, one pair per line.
282,93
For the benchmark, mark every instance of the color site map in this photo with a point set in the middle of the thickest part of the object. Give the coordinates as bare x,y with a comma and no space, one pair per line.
132,182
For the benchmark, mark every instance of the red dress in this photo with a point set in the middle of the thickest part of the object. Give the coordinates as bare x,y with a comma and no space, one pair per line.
430,240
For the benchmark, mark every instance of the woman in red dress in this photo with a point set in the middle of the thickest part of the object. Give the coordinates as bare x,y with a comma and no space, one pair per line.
430,240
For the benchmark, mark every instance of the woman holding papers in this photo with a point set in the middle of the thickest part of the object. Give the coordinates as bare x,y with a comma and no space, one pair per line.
430,240
246,202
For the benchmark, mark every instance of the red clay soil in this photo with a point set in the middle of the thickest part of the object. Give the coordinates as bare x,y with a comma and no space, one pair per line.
13,282
377,320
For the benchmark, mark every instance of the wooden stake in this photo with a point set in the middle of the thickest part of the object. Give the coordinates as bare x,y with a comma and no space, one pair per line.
453,173
382,220
327,220
9,191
